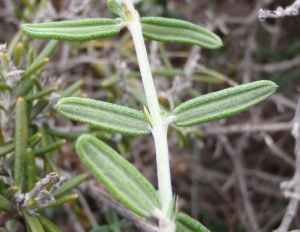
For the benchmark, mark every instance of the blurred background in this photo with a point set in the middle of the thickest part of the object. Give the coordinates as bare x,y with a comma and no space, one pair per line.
228,174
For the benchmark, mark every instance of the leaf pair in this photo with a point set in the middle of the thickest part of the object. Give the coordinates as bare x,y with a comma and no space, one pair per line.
199,110
154,28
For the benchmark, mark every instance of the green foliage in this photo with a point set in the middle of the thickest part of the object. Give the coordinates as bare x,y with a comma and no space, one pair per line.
104,115
48,225
114,224
120,177
187,224
21,137
222,104
32,222
70,184
81,30
26,104
179,31
5,205
115,7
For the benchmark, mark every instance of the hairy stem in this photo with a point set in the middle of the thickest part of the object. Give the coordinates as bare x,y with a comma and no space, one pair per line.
159,129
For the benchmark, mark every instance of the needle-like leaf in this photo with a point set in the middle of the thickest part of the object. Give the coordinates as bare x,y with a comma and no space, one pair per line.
70,184
21,141
5,205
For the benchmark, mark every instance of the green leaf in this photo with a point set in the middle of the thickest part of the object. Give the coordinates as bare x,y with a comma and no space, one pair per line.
50,147
18,54
10,192
5,87
40,94
111,81
34,140
70,184
185,223
115,7
119,176
5,205
49,164
104,115
80,30
63,200
31,169
38,62
32,222
48,225
2,188
38,107
21,140
222,104
173,30
7,148
72,89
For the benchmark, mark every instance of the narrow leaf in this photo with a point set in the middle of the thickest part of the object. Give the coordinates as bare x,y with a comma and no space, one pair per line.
34,68
2,141
120,177
71,89
63,200
64,135
185,223
80,30
5,149
37,82
31,169
2,188
5,205
39,107
32,222
47,148
50,165
18,54
21,140
115,7
26,87
70,184
111,81
4,61
10,192
222,104
48,225
40,94
104,115
47,52
5,87
34,140
9,147
173,30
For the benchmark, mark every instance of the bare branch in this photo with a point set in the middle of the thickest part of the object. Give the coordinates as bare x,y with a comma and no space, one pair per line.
291,10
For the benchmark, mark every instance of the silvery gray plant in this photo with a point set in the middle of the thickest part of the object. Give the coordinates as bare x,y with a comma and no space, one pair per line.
120,177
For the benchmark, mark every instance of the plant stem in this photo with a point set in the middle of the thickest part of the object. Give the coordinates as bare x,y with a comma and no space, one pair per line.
159,129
